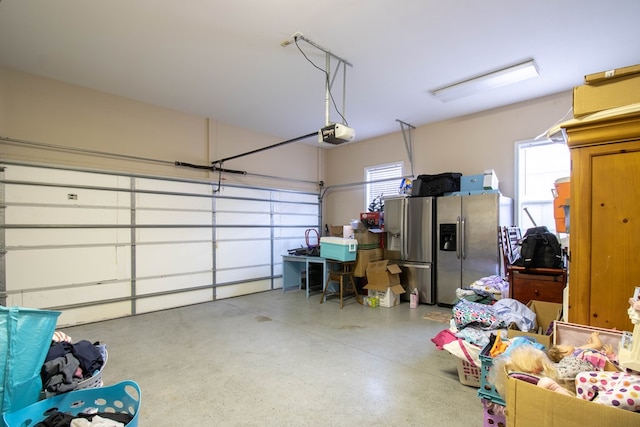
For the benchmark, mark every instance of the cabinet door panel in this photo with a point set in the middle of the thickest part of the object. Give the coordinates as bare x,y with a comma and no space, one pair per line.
615,242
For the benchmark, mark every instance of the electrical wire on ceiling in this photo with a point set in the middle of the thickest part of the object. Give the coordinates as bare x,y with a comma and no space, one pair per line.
328,82
217,165
546,132
407,136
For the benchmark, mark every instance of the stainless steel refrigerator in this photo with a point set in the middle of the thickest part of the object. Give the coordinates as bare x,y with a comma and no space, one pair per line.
409,224
468,248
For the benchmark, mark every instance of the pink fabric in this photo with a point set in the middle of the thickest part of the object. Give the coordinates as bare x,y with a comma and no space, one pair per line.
595,357
549,384
442,338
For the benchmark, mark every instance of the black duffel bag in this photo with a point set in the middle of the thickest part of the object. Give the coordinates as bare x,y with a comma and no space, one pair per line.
436,185
539,248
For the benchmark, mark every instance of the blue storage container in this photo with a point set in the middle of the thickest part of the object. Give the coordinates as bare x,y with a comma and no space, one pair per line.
471,183
487,390
123,397
338,249
25,337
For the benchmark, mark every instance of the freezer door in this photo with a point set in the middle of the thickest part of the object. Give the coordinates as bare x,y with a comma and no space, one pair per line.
481,247
394,212
448,257
419,229
418,276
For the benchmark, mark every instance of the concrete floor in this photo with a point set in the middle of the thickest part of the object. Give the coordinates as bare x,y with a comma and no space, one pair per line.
274,359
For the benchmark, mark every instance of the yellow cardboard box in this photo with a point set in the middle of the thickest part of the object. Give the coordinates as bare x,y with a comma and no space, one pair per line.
367,238
603,76
531,406
364,257
591,98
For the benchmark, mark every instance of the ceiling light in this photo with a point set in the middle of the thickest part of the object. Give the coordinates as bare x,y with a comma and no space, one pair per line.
502,77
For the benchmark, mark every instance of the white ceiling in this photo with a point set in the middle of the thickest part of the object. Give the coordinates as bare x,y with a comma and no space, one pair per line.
224,59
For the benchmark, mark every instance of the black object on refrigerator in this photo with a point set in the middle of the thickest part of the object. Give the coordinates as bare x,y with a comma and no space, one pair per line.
409,224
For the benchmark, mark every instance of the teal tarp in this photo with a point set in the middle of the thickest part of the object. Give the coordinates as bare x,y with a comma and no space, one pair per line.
25,337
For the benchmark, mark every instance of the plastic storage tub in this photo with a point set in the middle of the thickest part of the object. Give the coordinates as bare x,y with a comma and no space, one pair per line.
338,249
25,336
487,390
493,414
468,374
124,397
93,382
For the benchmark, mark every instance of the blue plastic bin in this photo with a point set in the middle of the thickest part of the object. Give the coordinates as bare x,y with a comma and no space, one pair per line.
25,337
487,390
123,397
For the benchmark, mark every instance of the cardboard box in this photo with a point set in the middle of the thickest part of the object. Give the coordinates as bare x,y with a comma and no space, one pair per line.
532,406
388,298
383,281
364,257
546,312
371,219
591,98
609,75
338,248
367,239
335,230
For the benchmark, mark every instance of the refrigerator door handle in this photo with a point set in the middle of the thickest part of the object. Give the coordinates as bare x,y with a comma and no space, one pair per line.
458,238
462,242
405,228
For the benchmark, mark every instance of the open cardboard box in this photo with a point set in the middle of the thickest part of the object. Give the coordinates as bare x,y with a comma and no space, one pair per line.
546,314
364,257
531,406
383,281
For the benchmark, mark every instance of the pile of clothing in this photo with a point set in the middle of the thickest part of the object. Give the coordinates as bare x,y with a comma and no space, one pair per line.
473,323
106,419
68,363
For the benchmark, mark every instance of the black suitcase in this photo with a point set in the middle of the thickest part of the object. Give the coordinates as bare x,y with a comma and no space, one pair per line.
436,185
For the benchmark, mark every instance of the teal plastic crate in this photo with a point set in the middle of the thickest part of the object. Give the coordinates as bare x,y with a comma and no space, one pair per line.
487,390
123,397
25,337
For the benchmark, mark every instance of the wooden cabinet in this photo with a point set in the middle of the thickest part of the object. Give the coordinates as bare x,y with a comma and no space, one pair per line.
604,264
546,284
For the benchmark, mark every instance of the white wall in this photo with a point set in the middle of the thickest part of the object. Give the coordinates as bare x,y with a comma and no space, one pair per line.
52,112
467,144
44,110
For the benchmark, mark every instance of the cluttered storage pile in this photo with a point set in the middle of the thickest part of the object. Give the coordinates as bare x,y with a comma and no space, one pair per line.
530,344
480,310
48,380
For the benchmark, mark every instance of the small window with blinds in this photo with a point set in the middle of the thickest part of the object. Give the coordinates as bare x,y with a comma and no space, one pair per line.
382,180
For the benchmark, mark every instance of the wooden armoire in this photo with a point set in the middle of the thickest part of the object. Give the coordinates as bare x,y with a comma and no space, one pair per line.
604,266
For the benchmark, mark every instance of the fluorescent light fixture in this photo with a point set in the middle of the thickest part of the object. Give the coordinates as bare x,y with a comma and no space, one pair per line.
505,76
